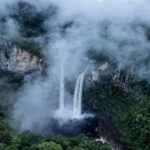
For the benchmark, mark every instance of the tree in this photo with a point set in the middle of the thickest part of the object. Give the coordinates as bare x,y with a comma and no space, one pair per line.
138,121
4,132
15,143
28,139
64,142
49,146
2,146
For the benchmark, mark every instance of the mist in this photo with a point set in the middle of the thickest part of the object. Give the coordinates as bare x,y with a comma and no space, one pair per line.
120,28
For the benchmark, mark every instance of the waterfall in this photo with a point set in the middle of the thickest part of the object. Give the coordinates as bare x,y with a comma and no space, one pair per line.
65,113
61,88
77,101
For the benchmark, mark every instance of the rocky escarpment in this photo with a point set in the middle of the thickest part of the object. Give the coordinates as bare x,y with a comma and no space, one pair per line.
105,69
16,60
103,95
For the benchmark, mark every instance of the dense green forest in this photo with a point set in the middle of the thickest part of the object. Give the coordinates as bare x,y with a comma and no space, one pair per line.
31,27
125,104
124,101
10,140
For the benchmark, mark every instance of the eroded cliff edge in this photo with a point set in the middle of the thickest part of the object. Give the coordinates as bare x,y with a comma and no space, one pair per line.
18,61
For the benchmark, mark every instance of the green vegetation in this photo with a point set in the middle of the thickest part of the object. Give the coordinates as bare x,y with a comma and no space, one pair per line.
9,85
49,146
10,140
30,26
80,142
126,106
127,110
29,18
4,132
29,45
8,93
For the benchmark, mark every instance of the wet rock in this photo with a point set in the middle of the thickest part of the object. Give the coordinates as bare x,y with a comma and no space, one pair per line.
16,60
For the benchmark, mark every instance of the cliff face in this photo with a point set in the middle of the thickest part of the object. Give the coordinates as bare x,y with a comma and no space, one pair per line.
16,60
94,75
102,86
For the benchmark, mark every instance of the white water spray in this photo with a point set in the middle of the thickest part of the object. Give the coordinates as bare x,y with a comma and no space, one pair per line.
77,101
64,112
62,86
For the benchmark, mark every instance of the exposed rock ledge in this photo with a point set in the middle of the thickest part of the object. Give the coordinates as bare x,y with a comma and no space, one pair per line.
16,60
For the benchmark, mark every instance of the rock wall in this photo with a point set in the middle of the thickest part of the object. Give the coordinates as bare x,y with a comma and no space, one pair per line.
94,74
16,60
99,82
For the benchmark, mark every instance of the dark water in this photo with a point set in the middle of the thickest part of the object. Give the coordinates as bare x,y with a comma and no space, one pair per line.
69,129
72,128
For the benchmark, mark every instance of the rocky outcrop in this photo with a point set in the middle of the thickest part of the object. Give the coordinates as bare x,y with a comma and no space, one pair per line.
16,60
94,74
123,80
98,86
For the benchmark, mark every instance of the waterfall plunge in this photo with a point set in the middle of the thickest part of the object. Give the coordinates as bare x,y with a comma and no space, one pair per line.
61,88
64,113
77,101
